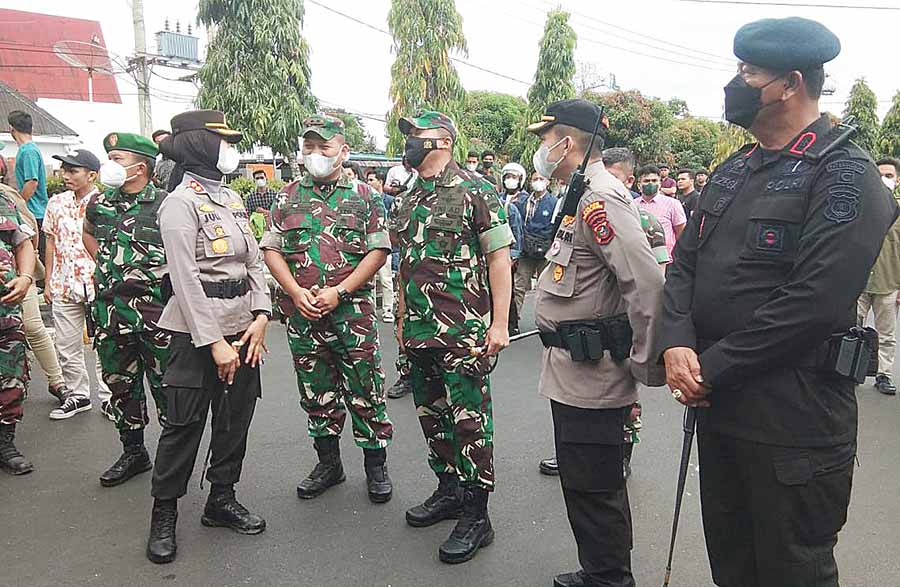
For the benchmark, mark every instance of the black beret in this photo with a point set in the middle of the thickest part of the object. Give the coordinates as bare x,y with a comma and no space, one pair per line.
786,44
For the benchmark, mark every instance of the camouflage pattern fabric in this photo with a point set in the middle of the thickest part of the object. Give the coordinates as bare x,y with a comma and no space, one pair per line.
452,394
10,315
324,233
13,375
125,360
445,228
338,366
655,236
131,261
633,425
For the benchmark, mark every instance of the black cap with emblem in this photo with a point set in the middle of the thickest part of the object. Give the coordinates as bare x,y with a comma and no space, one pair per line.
576,113
211,120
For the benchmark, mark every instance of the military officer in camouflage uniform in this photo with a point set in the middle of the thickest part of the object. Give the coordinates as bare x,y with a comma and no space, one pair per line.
455,288
327,242
121,232
17,261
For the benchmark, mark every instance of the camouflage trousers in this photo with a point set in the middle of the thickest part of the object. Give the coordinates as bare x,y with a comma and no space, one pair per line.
13,375
125,360
338,366
452,393
633,424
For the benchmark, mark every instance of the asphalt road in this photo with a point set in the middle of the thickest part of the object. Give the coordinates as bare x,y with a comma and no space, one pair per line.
59,527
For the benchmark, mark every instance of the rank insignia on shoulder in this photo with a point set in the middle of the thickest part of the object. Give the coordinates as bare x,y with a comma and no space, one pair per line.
568,220
196,187
206,208
235,205
558,272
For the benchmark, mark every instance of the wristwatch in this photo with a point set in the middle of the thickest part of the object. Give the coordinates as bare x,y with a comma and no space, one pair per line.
343,294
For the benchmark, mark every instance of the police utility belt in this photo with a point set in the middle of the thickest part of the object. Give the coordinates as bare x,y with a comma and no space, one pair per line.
227,289
587,340
850,355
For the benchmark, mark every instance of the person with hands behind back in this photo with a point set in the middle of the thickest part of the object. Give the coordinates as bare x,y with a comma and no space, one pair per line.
218,312
327,242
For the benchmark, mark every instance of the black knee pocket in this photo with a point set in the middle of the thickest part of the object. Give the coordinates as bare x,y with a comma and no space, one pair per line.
184,405
183,383
816,497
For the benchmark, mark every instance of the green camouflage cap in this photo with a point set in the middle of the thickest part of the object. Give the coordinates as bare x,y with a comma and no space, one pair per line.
427,119
323,125
126,141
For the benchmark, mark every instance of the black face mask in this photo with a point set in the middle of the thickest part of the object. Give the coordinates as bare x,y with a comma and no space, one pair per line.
417,148
743,102
487,165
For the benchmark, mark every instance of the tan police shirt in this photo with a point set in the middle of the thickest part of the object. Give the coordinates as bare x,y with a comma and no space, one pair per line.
600,265
206,232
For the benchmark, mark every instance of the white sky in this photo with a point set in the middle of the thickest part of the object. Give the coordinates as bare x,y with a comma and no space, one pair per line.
503,36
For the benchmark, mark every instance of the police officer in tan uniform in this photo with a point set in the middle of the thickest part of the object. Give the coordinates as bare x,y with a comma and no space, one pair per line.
595,304
217,313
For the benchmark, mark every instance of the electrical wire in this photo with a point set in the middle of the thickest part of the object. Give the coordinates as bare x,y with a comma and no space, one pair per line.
791,4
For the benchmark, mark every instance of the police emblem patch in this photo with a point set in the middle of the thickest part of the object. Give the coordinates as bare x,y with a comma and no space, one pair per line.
843,204
594,215
220,246
770,237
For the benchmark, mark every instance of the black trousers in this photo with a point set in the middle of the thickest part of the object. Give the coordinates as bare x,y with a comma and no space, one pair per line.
589,450
191,387
771,514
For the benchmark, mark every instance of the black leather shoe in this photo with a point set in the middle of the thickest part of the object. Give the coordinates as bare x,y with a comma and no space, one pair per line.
473,530
549,467
444,504
224,511
884,384
577,579
327,473
11,460
134,461
401,388
377,480
161,546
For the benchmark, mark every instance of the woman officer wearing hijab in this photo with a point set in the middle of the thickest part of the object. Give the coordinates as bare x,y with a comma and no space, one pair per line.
217,313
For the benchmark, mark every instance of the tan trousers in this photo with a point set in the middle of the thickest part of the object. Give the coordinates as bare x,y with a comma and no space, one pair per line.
885,309
39,340
69,320
525,271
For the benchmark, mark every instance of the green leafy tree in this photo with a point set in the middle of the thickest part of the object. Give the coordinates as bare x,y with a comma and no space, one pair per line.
635,121
692,142
355,133
731,138
491,118
426,33
257,70
889,141
553,79
862,105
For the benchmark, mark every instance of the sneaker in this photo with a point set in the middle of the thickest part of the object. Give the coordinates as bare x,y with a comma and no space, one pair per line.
884,384
388,317
59,392
106,410
70,407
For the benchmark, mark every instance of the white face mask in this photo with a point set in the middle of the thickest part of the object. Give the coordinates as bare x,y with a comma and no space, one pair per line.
114,175
539,186
511,183
541,159
229,158
320,166
471,167
890,183
261,182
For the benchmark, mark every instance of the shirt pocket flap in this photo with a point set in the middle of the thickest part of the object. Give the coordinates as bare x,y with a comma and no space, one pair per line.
214,230
793,471
560,253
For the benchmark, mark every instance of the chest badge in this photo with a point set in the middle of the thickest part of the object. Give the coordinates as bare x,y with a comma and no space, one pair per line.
568,220
220,232
220,245
558,272
555,247
206,208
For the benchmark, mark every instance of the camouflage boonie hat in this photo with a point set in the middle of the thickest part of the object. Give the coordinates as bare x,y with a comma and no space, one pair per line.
323,125
126,141
427,119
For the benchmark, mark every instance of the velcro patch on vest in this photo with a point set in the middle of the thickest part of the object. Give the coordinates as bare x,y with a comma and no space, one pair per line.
770,237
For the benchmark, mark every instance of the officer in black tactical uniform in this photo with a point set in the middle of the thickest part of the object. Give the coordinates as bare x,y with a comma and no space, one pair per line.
759,306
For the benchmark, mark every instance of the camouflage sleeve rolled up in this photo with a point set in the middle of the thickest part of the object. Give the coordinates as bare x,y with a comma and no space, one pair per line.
271,239
90,215
376,229
489,220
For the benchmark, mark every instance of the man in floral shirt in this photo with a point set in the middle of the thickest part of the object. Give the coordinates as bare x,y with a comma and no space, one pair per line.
70,288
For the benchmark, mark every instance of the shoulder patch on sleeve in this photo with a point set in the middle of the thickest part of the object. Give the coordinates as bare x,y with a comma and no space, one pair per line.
594,215
843,204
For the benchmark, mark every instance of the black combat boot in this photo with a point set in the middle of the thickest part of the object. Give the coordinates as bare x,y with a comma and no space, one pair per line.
444,504
134,460
401,388
161,546
328,472
10,458
576,579
473,529
223,510
377,479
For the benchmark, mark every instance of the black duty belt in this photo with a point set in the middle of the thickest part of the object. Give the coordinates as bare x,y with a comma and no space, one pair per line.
586,340
228,289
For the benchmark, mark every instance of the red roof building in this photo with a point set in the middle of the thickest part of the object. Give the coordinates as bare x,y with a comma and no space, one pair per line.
30,62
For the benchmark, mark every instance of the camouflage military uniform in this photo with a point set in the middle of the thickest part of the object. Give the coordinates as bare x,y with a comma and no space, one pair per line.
402,362
323,236
446,227
131,264
13,364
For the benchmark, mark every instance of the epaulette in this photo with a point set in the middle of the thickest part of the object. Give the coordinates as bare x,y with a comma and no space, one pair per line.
821,147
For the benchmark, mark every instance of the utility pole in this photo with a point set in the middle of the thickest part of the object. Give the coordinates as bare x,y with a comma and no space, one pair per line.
142,70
